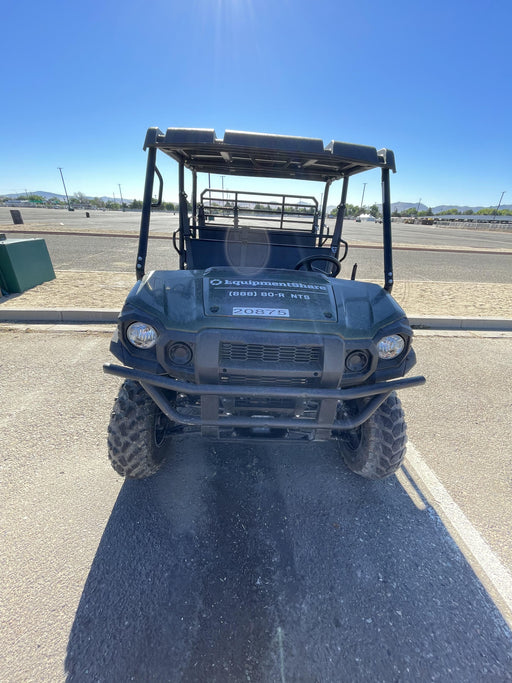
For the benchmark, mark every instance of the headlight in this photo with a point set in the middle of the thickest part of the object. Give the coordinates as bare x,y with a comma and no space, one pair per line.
391,346
141,335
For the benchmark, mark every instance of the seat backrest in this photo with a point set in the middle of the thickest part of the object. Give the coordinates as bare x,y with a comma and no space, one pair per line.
250,248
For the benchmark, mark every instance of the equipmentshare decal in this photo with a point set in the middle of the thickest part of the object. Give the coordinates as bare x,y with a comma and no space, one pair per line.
267,283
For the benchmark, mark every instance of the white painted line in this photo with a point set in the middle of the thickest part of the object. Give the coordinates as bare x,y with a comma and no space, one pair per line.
488,562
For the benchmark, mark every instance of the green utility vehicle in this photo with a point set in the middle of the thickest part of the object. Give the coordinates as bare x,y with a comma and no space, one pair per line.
259,335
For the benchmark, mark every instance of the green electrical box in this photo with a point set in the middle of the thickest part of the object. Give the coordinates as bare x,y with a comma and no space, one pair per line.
24,264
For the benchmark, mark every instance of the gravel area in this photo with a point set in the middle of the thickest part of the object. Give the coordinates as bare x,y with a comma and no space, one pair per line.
72,289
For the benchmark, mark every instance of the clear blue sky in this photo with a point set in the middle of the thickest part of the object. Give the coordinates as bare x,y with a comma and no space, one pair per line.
81,83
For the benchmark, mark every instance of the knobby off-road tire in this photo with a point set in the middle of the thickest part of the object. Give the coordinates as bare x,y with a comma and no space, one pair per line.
376,449
136,433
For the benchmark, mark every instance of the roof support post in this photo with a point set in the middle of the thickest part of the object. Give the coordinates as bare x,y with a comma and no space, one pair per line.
184,226
194,198
146,213
338,228
386,230
324,208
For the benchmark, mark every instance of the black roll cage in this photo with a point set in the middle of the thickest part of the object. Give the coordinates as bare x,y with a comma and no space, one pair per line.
261,155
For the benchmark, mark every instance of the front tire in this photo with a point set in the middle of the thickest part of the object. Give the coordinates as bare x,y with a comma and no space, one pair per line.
376,449
137,433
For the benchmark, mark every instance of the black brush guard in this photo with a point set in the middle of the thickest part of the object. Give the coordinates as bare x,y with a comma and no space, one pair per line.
210,421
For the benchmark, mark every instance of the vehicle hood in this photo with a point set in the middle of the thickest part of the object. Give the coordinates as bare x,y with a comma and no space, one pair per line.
279,300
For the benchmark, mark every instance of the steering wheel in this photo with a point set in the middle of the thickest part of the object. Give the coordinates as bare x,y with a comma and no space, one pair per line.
309,260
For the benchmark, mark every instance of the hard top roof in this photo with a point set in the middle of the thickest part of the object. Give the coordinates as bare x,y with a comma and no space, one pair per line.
271,156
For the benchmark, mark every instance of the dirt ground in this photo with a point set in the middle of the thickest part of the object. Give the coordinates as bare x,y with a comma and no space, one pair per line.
94,290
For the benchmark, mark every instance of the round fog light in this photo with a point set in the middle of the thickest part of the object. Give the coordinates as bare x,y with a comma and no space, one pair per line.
180,354
141,335
390,347
357,361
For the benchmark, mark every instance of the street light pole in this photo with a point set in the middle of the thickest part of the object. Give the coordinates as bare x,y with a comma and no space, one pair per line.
499,204
65,191
362,198
120,193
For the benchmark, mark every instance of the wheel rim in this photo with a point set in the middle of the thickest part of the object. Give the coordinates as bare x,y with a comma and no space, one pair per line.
352,439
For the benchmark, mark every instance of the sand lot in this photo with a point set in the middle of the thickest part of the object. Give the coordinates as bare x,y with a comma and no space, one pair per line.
73,289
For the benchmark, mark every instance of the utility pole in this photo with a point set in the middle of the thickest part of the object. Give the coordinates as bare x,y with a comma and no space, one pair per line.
65,191
121,194
418,207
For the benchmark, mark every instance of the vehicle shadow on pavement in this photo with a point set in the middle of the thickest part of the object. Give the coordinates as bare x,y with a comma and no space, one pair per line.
271,563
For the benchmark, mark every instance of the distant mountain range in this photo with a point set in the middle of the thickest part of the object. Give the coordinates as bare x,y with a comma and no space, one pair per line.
437,210
395,206
442,208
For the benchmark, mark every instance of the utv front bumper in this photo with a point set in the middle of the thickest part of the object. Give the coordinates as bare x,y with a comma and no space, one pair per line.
317,423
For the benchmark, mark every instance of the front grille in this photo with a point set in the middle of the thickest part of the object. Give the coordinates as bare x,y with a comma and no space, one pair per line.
263,353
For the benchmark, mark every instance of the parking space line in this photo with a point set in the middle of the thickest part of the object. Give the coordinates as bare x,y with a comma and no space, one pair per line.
496,578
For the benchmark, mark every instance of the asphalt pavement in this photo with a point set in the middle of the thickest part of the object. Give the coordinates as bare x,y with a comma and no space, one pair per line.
256,562
118,254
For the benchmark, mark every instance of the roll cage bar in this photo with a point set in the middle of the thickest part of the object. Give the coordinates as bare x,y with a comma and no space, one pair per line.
261,155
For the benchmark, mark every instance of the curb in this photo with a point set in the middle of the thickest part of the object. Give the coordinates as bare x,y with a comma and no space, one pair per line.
431,322
107,315
59,315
